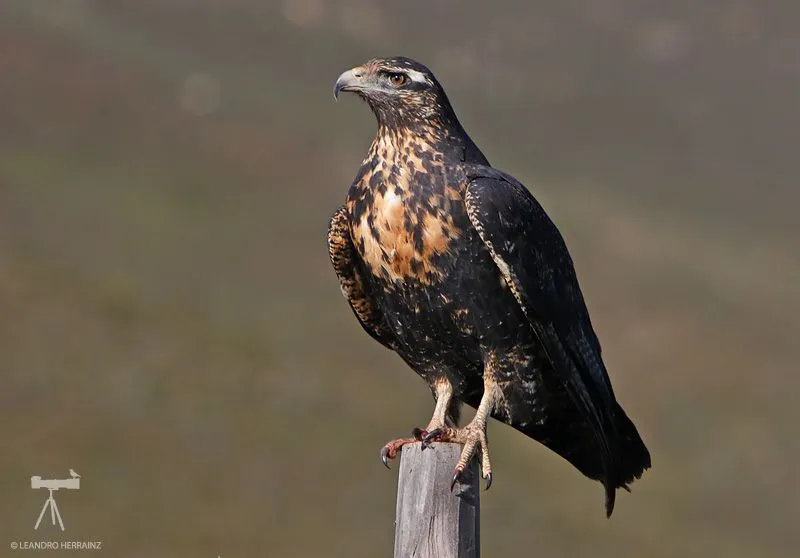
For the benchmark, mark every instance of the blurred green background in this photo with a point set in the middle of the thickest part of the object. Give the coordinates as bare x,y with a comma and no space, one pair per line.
170,326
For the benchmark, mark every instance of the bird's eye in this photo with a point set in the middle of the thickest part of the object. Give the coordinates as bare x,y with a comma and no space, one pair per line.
397,79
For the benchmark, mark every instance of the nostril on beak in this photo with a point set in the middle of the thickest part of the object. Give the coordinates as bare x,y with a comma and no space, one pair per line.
358,73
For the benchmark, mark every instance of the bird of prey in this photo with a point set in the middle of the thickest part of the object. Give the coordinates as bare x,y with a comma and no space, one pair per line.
73,474
456,267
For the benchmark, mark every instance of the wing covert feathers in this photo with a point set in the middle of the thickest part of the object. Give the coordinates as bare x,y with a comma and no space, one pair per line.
533,259
343,257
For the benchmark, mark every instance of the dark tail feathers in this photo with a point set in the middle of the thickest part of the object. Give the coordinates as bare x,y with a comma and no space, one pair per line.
633,459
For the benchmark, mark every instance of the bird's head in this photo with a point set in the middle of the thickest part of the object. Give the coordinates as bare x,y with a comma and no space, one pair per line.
400,91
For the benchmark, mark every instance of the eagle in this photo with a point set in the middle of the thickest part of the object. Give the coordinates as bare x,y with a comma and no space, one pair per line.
455,266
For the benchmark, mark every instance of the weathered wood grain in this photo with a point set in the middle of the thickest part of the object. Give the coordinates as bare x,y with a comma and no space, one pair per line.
431,521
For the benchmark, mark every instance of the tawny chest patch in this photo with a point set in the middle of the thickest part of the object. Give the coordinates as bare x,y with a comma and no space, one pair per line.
400,233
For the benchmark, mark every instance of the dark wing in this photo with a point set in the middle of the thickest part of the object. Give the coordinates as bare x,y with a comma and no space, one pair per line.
345,263
533,259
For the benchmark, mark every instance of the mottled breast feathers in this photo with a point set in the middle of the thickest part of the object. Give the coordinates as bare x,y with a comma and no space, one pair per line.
400,206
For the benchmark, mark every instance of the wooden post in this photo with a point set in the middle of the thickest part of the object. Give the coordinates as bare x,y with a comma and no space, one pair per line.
431,521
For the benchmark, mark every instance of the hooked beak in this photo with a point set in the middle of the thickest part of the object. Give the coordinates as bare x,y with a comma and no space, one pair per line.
351,80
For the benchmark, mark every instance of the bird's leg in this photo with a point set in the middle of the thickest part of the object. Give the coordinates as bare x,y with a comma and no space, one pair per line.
435,430
473,435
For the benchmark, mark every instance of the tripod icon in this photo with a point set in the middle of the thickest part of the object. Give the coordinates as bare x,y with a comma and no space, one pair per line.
50,503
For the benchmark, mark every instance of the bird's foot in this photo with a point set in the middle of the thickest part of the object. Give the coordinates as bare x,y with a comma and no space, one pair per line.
473,436
392,448
434,432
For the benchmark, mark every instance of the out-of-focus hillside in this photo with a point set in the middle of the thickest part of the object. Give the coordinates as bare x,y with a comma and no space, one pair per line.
170,326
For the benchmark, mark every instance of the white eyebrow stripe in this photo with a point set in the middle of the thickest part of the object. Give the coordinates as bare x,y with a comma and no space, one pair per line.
416,76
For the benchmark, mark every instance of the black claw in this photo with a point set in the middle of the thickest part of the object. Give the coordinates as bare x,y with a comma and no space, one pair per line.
419,434
385,457
456,476
429,437
488,478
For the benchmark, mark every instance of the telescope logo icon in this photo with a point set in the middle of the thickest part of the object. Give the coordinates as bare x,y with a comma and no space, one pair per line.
72,483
